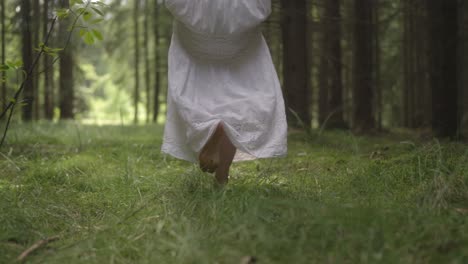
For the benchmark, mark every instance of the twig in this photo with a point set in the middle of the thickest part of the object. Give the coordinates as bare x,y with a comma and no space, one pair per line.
36,246
9,160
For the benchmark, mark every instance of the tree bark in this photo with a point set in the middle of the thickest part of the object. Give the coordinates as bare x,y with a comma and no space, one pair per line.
334,65
66,89
415,93
156,62
147,60
3,98
363,90
324,67
136,95
36,32
48,74
463,77
443,47
27,59
296,90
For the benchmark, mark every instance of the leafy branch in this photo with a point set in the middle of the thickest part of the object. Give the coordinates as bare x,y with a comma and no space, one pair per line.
82,12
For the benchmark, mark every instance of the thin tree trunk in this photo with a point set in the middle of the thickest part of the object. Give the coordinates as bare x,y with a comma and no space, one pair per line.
48,75
36,32
156,62
297,94
136,96
3,75
147,60
66,89
27,59
363,66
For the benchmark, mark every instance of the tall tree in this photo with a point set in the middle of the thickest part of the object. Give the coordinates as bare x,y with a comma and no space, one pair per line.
377,104
47,64
332,92
416,95
295,70
66,89
35,36
147,59
463,78
27,54
157,60
364,58
136,31
3,97
323,68
443,49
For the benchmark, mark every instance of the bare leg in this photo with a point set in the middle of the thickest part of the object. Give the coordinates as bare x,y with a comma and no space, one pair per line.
226,155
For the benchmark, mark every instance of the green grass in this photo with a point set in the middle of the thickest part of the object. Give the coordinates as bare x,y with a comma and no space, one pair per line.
112,197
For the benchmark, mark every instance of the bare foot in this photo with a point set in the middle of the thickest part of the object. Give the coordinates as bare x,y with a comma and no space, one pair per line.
209,155
226,155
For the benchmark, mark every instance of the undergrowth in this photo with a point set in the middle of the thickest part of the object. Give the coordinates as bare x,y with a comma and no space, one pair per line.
112,197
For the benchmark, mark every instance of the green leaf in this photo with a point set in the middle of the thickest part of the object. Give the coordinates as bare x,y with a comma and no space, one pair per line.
99,3
82,32
14,64
87,15
4,67
88,38
74,2
19,63
99,12
62,13
97,34
96,21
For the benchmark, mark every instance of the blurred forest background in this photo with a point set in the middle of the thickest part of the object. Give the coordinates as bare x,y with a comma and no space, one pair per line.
368,65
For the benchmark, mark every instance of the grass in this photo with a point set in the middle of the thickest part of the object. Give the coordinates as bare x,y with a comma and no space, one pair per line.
112,197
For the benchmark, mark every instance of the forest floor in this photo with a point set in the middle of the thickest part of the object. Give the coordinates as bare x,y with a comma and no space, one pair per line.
111,197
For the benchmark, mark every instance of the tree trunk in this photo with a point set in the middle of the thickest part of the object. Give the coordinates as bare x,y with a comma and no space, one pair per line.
296,90
364,54
348,61
27,59
147,60
443,41
3,98
378,104
36,32
463,81
333,51
324,67
415,92
136,96
66,89
156,62
48,74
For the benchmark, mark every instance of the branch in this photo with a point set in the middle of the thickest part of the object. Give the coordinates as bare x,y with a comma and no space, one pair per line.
36,246
11,105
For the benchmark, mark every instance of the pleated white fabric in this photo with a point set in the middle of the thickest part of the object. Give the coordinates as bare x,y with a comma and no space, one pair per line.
220,70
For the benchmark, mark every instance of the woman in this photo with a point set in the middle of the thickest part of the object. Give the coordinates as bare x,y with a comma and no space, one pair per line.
224,99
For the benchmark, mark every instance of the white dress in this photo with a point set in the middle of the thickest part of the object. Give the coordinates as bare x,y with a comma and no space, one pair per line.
220,70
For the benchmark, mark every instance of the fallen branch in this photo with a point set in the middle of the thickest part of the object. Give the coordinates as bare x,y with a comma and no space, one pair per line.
36,246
